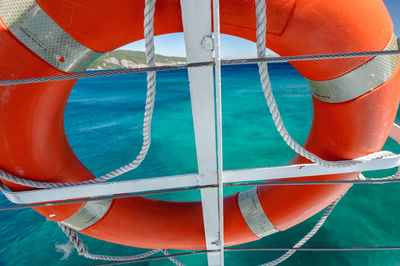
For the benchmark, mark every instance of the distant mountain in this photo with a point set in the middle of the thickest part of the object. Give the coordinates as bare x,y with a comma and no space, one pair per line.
131,59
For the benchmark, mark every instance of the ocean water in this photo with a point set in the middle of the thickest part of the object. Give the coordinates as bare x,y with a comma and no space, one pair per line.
103,122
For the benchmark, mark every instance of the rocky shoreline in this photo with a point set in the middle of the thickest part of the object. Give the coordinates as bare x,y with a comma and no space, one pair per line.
131,59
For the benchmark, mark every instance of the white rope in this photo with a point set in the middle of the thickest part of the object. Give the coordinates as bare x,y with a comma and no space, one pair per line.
306,237
394,176
323,219
266,86
150,97
172,259
76,242
151,92
329,210
273,108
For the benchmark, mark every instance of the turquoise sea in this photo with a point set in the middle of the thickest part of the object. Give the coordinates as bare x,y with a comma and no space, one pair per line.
103,121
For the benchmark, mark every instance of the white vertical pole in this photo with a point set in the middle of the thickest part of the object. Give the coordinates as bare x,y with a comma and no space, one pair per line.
196,18
218,100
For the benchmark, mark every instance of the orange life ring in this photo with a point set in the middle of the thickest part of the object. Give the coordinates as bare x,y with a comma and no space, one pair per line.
33,143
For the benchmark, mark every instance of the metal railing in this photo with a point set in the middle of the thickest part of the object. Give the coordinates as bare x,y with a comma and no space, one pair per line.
207,125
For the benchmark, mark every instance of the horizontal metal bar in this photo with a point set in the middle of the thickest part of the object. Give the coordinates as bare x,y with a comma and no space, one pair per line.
148,193
182,254
274,182
190,180
301,170
118,196
182,182
317,249
114,72
101,189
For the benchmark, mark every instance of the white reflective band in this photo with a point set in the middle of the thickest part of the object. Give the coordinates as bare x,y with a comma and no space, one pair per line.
254,214
88,215
359,81
36,30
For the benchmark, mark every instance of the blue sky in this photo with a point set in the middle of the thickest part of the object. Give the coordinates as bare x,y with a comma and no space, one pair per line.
173,44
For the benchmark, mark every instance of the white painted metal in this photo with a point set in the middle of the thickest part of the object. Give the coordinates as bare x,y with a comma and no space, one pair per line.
218,102
169,182
299,170
101,189
196,18
395,133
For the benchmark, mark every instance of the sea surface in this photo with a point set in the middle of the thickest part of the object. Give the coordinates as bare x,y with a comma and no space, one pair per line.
103,121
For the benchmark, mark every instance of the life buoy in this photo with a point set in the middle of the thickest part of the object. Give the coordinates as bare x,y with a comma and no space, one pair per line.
355,103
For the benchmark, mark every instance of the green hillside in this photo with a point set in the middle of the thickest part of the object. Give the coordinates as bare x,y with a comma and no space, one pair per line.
127,58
